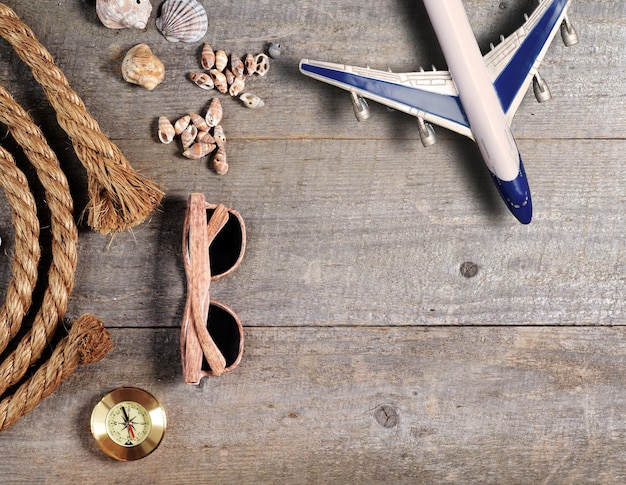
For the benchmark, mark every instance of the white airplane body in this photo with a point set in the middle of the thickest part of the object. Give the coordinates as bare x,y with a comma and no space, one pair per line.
477,97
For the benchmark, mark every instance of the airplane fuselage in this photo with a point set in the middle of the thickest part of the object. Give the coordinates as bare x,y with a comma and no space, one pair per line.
480,101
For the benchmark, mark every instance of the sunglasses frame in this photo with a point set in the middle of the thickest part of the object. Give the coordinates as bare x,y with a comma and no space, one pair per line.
196,342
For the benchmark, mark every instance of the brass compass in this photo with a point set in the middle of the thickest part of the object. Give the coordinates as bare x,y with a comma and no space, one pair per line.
128,423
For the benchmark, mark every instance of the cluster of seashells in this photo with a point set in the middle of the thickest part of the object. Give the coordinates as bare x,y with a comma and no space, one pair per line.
200,136
228,74
178,21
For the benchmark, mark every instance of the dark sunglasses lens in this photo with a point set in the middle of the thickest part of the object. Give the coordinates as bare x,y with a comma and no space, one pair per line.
224,331
226,247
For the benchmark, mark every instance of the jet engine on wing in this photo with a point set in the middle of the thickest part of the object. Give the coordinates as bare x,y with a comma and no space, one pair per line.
427,132
541,89
360,107
568,33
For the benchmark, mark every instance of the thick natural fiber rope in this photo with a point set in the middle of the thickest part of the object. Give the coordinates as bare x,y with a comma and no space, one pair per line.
63,245
27,251
119,197
86,343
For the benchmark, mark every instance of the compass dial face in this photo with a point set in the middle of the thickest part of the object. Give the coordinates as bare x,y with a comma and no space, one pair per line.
128,423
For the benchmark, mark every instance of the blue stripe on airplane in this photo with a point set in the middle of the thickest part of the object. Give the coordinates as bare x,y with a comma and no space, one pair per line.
511,79
442,106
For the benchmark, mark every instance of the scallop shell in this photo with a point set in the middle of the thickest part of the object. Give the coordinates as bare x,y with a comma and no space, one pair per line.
214,113
182,20
262,64
219,136
221,60
141,66
251,100
207,58
181,124
121,14
219,79
237,66
237,86
188,136
166,130
202,79
250,64
198,150
219,161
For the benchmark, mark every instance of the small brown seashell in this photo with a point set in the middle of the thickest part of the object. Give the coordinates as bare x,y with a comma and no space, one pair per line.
214,112
251,100
208,57
181,124
166,130
220,137
221,60
219,161
199,122
205,137
237,66
188,136
198,150
121,14
262,64
230,77
219,79
141,66
237,86
182,20
202,79
250,64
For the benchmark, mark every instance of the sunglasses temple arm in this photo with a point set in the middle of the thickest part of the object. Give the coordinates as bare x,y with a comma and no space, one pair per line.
200,282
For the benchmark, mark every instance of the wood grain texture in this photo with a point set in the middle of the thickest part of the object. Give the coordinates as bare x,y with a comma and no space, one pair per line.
369,356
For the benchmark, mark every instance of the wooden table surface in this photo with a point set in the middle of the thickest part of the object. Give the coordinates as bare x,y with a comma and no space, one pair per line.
369,356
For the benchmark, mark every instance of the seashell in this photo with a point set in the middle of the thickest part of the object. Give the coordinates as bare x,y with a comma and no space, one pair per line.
198,150
251,100
230,77
237,66
219,161
237,86
199,122
182,20
188,136
121,14
274,50
214,113
250,64
202,79
219,79
208,57
262,64
141,66
205,137
219,136
221,60
181,124
166,130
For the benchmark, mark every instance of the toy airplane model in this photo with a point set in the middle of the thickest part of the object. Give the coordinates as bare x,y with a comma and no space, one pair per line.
477,97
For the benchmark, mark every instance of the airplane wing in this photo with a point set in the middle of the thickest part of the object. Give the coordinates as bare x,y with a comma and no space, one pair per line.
515,61
430,95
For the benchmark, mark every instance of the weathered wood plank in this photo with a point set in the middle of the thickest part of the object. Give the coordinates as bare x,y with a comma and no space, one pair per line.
488,405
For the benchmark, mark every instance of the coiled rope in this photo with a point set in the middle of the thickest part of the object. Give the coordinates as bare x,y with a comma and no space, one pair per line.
119,199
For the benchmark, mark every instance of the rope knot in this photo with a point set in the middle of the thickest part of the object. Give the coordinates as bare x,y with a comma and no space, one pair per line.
92,341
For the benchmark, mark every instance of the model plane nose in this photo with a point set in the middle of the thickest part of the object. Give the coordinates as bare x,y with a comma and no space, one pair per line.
516,195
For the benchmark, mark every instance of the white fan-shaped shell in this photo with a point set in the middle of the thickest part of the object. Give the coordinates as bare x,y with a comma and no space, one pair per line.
120,14
182,20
